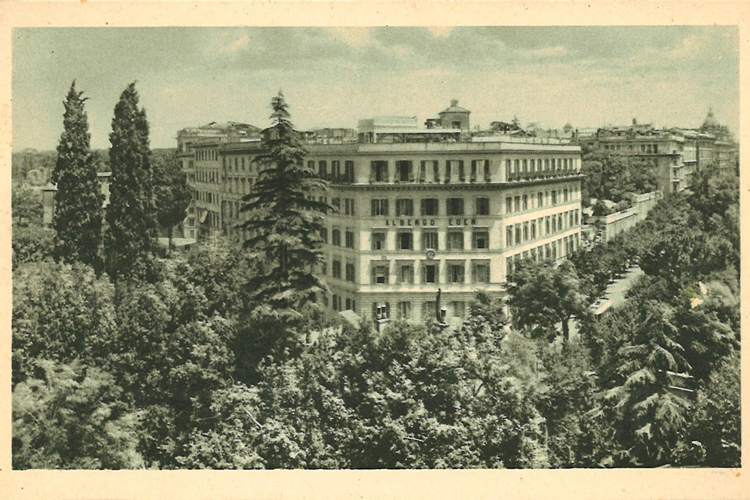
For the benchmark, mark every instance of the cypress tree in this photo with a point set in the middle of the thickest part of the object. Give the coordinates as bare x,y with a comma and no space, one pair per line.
284,222
131,215
78,202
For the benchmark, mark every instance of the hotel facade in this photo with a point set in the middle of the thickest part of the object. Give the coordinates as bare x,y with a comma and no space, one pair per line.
415,210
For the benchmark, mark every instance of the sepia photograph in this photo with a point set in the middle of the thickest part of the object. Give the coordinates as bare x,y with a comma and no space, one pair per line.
375,247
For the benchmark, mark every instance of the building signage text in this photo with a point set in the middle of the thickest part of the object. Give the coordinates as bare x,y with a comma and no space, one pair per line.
457,221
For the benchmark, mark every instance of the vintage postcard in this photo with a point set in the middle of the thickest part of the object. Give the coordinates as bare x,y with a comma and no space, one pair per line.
373,249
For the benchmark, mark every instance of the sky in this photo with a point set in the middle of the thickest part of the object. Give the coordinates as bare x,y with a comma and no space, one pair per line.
332,77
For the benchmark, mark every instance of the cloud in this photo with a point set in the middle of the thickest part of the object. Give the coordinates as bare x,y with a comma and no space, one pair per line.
240,43
355,37
441,31
334,76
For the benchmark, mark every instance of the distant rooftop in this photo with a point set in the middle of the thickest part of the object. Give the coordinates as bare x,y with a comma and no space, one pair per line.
454,108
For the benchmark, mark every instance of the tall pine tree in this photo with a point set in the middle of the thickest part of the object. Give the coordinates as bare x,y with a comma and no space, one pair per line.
284,222
131,215
78,202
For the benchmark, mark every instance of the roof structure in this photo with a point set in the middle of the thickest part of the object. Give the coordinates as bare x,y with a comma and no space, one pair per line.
454,108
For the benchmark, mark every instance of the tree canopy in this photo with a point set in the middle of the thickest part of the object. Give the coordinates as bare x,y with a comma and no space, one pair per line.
78,201
284,222
131,214
609,176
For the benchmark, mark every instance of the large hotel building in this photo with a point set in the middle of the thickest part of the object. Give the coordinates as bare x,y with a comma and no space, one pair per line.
415,210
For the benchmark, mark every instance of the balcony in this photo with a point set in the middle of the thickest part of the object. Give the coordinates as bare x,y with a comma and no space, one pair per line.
533,176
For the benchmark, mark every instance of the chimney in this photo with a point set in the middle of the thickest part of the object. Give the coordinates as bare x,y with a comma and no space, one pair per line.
454,103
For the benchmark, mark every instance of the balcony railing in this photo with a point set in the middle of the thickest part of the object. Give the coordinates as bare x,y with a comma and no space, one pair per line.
530,176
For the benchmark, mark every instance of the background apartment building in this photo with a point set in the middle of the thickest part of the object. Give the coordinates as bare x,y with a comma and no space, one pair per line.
676,153
415,210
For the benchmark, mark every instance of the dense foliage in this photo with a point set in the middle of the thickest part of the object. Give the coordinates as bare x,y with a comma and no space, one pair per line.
180,370
284,221
610,176
78,201
131,214
171,192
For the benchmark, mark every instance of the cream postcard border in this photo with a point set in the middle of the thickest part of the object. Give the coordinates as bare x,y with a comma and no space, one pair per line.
681,484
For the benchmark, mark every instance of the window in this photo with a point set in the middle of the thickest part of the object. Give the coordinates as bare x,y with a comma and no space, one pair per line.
403,170
378,241
525,204
322,169
350,271
430,273
525,231
379,171
455,240
456,273
554,224
554,197
481,240
379,207
448,171
533,229
422,175
349,239
508,205
380,311
461,174
517,204
336,302
336,204
509,236
455,206
428,310
480,271
404,310
349,171
336,269
576,217
565,195
507,170
380,274
546,225
474,168
540,199
336,170
483,206
349,206
404,207
348,304
430,206
518,234
336,237
436,170
405,241
429,240
459,308
406,274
